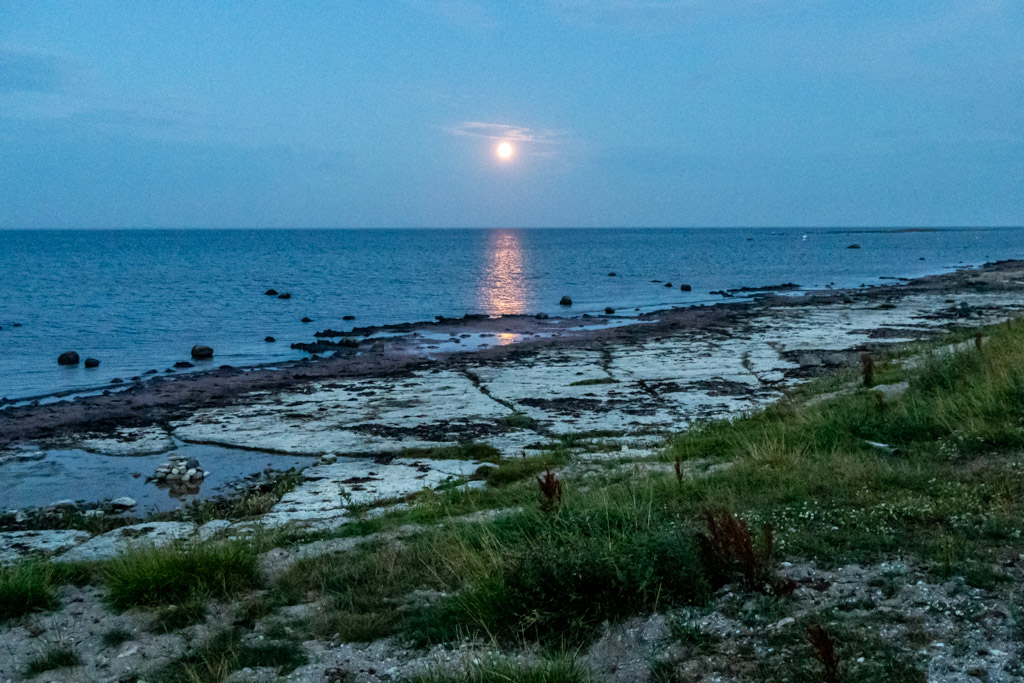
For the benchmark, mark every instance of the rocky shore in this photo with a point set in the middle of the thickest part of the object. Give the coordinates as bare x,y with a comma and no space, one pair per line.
631,380
393,418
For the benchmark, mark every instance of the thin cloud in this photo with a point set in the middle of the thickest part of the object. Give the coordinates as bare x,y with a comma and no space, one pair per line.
27,71
502,131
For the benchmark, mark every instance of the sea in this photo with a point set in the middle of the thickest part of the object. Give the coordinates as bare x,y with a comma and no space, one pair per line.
138,300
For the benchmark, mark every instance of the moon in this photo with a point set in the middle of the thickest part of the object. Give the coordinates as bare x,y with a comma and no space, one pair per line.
505,150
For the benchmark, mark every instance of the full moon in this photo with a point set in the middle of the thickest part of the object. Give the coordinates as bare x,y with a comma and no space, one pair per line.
505,150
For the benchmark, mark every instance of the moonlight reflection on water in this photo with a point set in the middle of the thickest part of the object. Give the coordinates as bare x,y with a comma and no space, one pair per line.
503,291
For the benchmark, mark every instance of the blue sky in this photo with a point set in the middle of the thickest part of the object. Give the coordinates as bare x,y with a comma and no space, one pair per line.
387,113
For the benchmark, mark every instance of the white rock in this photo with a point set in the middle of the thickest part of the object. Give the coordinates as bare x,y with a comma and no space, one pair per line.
124,502
114,542
17,544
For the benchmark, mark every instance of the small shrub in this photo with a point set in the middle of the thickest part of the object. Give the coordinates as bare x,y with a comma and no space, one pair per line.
26,587
54,658
175,574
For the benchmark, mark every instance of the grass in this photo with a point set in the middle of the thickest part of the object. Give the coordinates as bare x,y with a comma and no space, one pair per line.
946,496
225,652
510,470
59,657
30,585
190,612
495,669
181,573
470,450
117,635
803,483
525,576
593,381
517,420
26,587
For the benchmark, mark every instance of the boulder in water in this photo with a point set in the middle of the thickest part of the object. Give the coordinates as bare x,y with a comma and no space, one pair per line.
611,274
68,358
609,310
91,363
200,352
269,340
307,320
348,317
284,295
565,301
685,288
271,292
183,364
853,246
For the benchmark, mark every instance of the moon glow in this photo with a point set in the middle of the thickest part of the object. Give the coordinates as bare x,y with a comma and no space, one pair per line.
505,150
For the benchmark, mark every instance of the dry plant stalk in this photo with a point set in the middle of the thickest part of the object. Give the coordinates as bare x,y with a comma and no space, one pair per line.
825,652
727,549
551,491
867,368
977,340
679,470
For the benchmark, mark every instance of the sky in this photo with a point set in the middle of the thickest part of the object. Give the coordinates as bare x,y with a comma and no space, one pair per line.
388,113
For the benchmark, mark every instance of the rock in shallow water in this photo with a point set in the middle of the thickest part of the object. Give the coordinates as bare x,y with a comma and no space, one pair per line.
565,301
91,363
68,358
201,352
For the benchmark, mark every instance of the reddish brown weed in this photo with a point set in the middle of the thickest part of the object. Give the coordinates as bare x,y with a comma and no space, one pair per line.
867,368
551,491
727,550
825,652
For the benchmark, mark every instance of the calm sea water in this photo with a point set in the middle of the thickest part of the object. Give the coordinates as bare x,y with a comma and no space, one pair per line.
138,300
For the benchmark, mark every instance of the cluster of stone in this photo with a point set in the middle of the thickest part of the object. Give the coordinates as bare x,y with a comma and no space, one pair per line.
178,468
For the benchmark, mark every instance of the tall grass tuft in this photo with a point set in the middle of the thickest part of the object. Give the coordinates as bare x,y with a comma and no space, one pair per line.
176,574
555,579
53,658
26,587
